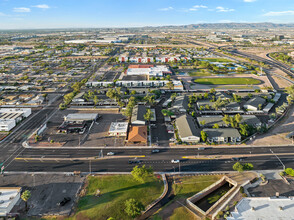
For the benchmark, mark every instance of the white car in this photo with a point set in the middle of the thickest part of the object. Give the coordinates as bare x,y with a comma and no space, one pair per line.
175,161
110,154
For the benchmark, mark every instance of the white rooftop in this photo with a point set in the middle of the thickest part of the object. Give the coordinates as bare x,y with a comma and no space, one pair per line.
8,197
264,208
81,117
118,127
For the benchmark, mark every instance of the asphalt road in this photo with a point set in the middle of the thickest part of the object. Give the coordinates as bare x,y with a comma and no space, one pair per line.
159,165
69,160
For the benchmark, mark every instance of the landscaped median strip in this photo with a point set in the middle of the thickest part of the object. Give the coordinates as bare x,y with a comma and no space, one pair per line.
216,157
73,159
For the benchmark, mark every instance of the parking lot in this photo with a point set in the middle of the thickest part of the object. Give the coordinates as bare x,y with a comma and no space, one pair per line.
95,135
46,192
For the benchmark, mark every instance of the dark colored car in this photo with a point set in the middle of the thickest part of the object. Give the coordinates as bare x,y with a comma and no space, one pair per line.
64,201
134,161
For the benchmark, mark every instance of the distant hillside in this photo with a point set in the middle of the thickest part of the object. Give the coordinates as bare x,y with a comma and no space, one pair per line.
265,25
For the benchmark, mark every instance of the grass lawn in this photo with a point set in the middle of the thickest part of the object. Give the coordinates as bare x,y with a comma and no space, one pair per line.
191,185
182,213
115,190
228,81
224,60
200,73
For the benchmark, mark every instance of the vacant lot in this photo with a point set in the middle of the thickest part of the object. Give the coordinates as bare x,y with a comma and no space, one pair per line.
115,190
227,81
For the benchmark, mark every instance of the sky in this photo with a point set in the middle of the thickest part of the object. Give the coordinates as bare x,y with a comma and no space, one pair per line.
27,14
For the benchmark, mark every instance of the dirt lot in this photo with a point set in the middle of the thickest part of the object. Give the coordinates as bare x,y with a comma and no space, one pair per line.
278,134
95,135
46,190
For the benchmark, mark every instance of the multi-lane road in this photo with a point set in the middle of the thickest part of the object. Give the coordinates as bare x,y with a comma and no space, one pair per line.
96,160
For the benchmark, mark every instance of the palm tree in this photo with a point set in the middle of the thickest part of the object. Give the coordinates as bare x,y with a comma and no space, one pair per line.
148,115
25,197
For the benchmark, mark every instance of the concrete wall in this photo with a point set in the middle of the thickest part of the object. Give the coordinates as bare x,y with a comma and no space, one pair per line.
192,200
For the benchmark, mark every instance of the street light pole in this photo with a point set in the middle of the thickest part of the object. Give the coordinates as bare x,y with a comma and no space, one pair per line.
90,168
278,159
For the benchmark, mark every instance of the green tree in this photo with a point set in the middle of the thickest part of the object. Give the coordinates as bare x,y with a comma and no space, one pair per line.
238,167
95,100
25,197
259,106
170,85
148,115
212,91
133,208
204,136
216,126
140,174
203,122
244,129
289,171
248,166
238,118
226,119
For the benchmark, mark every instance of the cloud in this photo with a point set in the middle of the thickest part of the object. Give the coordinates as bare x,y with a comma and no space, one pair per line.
43,6
22,9
2,14
166,9
196,7
222,9
249,0
278,13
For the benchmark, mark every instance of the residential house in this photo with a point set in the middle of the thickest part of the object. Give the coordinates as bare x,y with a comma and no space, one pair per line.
187,130
254,103
138,115
137,134
222,135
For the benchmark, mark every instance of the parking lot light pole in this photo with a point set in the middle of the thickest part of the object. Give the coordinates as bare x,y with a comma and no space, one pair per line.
278,159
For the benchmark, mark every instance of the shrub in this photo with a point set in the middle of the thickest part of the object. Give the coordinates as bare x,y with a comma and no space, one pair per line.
289,171
241,189
244,195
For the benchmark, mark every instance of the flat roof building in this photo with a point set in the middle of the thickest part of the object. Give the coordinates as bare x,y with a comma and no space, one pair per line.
9,196
118,129
264,208
80,117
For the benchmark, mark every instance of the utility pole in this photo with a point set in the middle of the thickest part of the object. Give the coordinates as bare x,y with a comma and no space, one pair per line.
90,168
278,159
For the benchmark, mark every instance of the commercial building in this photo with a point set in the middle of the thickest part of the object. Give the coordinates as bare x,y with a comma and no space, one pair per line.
149,70
118,129
9,196
81,117
9,117
7,125
77,123
187,130
264,208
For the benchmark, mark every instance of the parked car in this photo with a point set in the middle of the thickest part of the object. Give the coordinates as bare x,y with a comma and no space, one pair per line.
175,161
155,151
110,153
64,201
134,161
